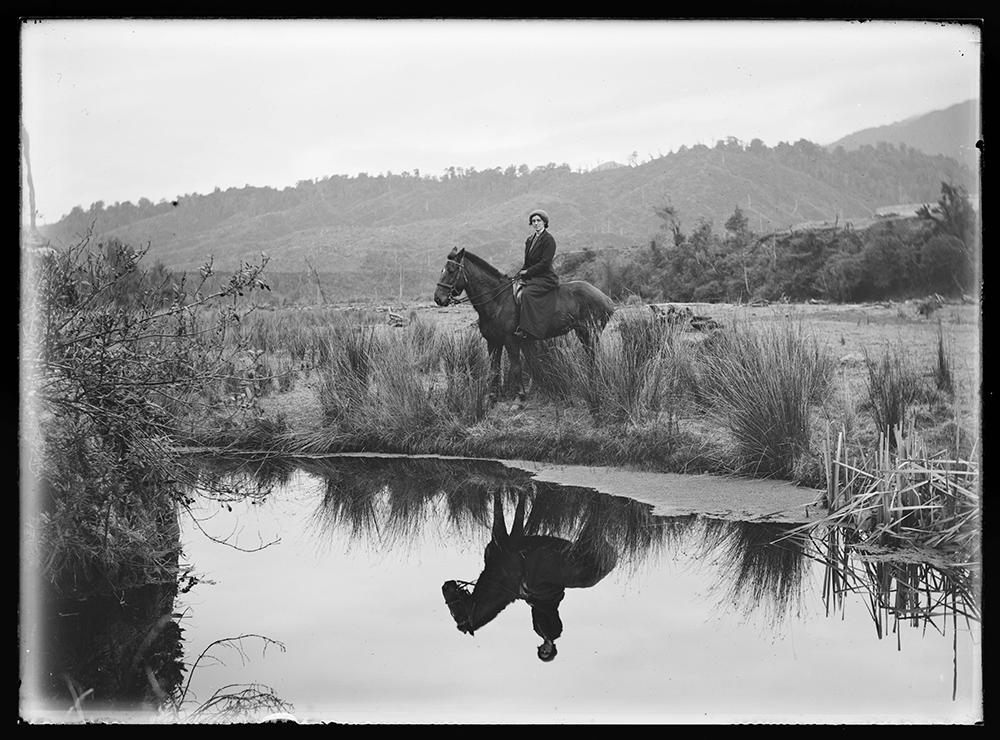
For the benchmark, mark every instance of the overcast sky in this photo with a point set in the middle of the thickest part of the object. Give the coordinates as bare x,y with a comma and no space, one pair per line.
118,110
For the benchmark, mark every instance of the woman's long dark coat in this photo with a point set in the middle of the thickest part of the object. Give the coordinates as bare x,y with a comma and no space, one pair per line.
538,299
551,565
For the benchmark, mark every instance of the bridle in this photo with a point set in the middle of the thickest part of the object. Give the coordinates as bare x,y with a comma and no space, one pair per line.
453,293
459,600
456,594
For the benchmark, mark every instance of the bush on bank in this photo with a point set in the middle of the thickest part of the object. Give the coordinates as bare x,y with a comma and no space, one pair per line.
119,365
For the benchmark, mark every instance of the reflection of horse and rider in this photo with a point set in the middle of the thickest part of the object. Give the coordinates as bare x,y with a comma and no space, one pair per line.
534,568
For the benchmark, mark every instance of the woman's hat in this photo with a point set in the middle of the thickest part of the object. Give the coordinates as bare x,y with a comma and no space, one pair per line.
539,212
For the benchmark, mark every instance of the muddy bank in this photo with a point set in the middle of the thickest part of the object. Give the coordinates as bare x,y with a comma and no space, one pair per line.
670,494
673,494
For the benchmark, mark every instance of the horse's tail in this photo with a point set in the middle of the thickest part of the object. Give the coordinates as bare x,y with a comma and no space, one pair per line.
606,310
609,305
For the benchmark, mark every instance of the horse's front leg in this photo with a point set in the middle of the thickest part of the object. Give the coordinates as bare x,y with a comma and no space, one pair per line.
516,379
496,351
499,525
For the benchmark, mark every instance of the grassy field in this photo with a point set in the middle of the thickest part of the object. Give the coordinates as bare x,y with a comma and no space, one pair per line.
411,379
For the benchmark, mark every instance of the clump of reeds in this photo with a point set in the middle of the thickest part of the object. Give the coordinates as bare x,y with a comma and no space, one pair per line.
763,381
900,496
904,530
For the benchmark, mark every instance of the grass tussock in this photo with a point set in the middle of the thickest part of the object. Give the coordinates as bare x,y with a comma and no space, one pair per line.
374,396
639,374
555,370
944,379
893,387
763,381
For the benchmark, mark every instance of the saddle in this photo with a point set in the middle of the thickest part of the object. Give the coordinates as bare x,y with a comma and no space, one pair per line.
517,286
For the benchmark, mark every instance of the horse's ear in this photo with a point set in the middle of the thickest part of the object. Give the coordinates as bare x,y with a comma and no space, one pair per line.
460,254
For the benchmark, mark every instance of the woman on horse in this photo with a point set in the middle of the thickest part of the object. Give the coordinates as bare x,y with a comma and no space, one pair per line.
536,283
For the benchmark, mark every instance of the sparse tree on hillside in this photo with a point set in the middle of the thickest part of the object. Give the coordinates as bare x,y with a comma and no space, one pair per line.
737,243
954,215
951,254
671,221
737,226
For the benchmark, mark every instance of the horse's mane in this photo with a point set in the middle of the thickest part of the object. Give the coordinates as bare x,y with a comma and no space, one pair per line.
484,265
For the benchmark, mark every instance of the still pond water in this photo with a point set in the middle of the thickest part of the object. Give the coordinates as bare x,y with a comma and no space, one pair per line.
340,564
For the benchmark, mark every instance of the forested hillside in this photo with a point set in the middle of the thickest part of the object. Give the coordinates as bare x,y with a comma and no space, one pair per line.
387,234
931,253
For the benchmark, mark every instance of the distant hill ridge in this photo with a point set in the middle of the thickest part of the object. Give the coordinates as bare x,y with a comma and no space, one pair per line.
341,224
952,132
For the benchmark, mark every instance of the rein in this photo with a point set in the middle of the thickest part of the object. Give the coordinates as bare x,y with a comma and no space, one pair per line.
493,293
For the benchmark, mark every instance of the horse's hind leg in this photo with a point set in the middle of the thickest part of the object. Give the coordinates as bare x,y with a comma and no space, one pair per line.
588,338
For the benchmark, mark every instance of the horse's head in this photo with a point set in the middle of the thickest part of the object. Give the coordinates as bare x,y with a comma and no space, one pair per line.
452,281
459,603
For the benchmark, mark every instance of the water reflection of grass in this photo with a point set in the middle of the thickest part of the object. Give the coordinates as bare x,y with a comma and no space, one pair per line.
899,587
392,500
763,568
389,502
766,569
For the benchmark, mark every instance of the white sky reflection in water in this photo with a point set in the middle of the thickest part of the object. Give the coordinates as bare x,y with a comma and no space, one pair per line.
369,639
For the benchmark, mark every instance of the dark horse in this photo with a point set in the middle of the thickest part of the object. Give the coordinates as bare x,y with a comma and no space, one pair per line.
530,567
580,307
